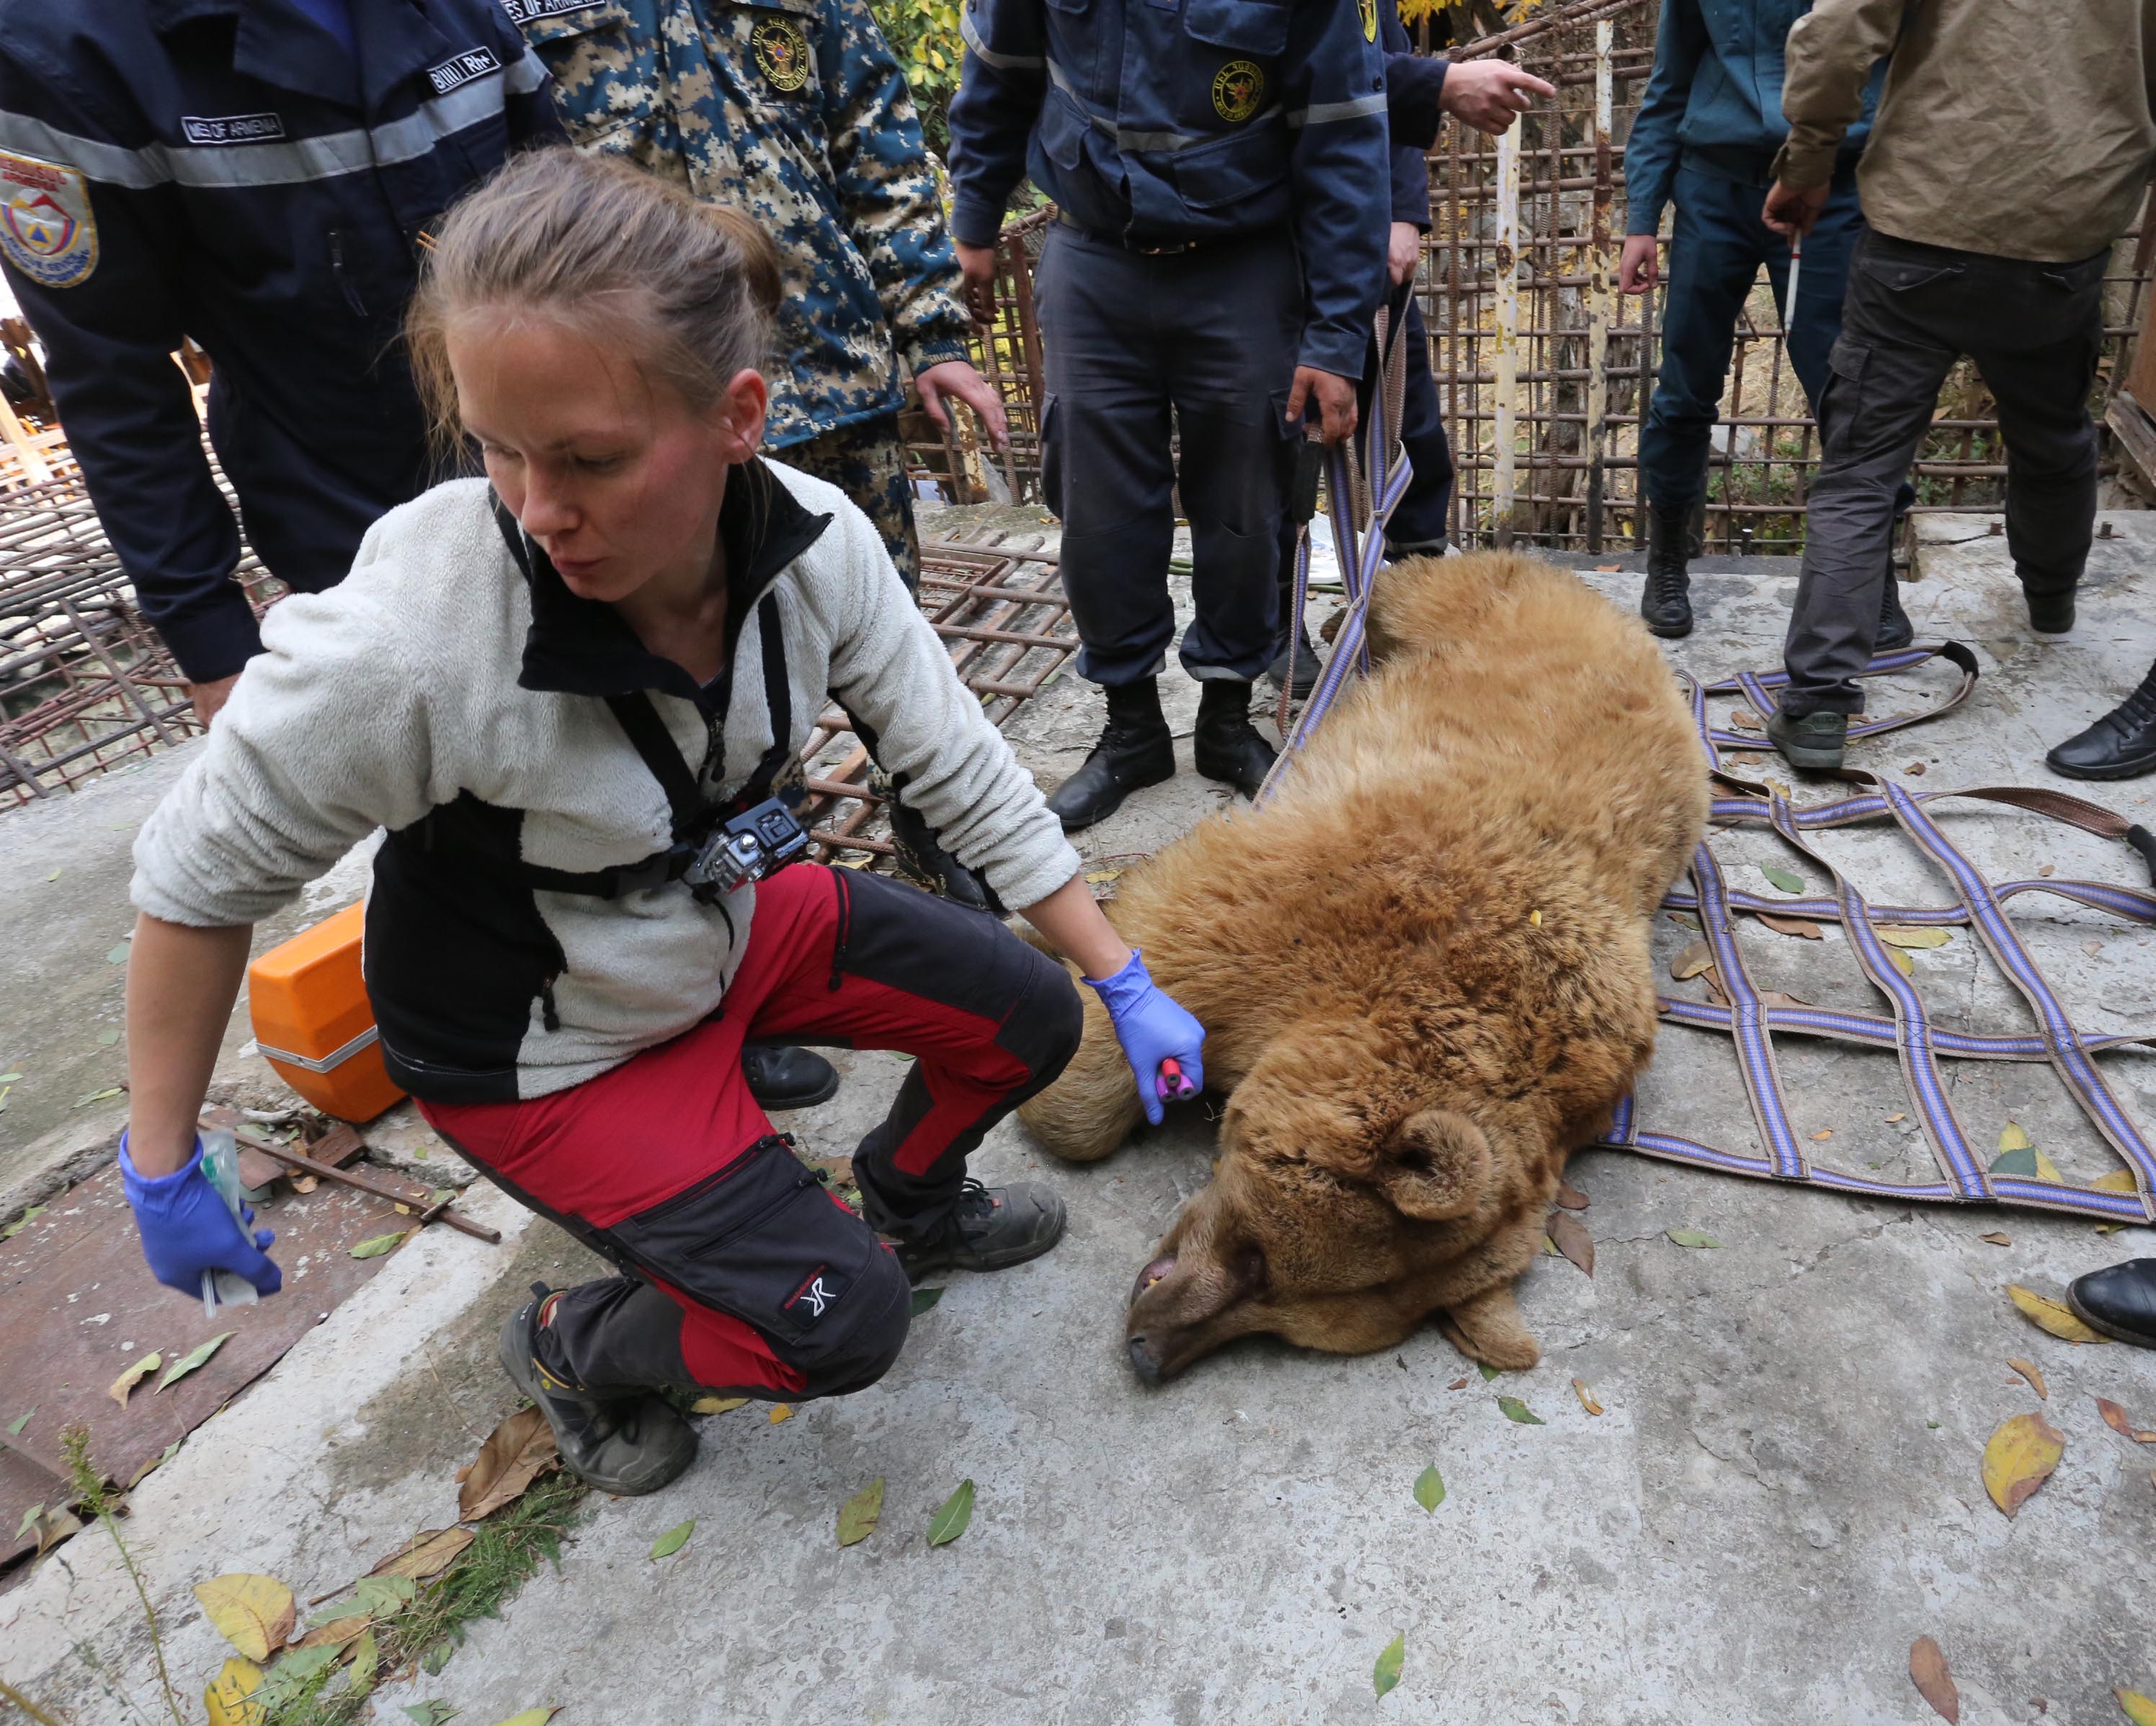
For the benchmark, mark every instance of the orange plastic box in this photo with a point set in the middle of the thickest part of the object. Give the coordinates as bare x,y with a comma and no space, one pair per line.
313,1023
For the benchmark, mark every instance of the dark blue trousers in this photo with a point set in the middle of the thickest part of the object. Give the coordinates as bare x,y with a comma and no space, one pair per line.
1193,349
1716,248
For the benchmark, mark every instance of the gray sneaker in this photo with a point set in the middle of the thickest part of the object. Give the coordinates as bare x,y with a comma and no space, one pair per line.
624,1445
1814,741
988,1228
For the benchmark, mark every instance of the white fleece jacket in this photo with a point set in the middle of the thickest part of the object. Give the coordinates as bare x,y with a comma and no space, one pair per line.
398,692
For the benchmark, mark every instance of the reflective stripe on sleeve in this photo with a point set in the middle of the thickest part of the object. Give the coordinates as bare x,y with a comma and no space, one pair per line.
970,35
289,162
1325,113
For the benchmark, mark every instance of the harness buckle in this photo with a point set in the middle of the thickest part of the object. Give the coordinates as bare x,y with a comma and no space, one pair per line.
761,840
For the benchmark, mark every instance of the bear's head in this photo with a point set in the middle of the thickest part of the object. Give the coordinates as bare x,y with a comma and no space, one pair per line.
1338,1221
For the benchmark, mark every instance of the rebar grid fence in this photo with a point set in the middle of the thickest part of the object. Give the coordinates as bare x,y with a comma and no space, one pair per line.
1543,369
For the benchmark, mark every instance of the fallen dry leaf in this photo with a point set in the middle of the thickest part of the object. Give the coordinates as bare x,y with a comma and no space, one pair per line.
1905,935
1916,767
1823,1134
1572,1239
2092,947
515,1453
2018,1458
1803,928
2029,1370
427,1553
2045,870
1776,998
336,1632
192,1360
2119,1180
2117,1418
1746,720
1927,1672
2047,1314
1902,961
715,1404
1899,1115
133,1376
1715,992
781,1411
1997,1239
229,1699
2013,1137
1586,1397
1570,1197
254,1613
1457,1385
2138,1708
1692,961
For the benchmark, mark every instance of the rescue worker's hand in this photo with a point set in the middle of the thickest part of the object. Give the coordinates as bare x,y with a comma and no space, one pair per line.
209,698
1489,94
1403,252
1641,266
978,265
187,1230
1153,1029
1336,402
958,380
1791,213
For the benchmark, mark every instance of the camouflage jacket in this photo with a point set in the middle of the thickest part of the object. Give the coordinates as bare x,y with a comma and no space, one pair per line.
796,112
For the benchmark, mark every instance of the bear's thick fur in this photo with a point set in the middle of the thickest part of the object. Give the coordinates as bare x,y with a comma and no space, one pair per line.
1423,969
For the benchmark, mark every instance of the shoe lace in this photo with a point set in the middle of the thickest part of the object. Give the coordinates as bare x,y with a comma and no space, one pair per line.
2139,708
1666,584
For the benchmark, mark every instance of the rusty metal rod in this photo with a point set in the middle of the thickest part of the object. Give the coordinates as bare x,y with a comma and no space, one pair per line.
324,1171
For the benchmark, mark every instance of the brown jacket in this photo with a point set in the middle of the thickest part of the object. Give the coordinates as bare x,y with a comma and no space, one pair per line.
2021,128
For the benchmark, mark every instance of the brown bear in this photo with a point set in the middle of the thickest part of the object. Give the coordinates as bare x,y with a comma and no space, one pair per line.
1422,970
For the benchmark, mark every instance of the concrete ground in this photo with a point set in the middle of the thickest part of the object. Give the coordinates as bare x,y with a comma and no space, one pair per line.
1782,1495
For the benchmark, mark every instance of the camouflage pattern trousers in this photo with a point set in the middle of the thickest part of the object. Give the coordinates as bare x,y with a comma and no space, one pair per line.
866,461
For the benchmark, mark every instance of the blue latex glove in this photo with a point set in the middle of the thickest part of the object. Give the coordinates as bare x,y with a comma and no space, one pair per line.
187,1231
1154,1030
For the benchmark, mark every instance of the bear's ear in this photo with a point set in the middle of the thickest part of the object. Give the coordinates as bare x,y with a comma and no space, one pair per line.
1434,1165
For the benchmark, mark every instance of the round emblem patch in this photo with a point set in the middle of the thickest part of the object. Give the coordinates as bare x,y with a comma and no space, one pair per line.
781,52
1238,88
46,228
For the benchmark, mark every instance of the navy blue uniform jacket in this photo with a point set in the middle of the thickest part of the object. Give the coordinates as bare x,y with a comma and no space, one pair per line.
222,169
1164,120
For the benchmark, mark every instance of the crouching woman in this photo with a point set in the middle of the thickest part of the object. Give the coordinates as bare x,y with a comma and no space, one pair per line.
551,685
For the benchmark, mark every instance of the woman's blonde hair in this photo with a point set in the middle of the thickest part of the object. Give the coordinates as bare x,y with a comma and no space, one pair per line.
691,288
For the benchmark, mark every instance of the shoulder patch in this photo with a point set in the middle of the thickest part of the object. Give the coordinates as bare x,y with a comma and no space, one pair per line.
46,228
532,12
781,52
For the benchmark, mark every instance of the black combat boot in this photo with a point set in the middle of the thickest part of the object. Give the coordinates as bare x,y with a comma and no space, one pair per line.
2050,613
1896,631
1135,750
1305,670
1226,745
1665,598
2121,745
625,1444
923,859
2119,1300
783,1077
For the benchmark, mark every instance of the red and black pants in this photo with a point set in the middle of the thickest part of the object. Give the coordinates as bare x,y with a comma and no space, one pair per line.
743,1273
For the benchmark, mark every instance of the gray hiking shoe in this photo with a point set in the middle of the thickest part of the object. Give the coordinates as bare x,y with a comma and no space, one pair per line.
988,1228
1815,742
624,1445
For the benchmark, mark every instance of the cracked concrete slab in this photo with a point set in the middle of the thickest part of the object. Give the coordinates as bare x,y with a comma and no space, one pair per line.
1782,1493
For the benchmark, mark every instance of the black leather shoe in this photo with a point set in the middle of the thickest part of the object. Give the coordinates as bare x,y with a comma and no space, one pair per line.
2120,1301
1135,750
1666,597
1895,630
1225,745
2121,745
2051,613
1815,742
988,1228
1307,666
789,1078
923,859
626,1444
